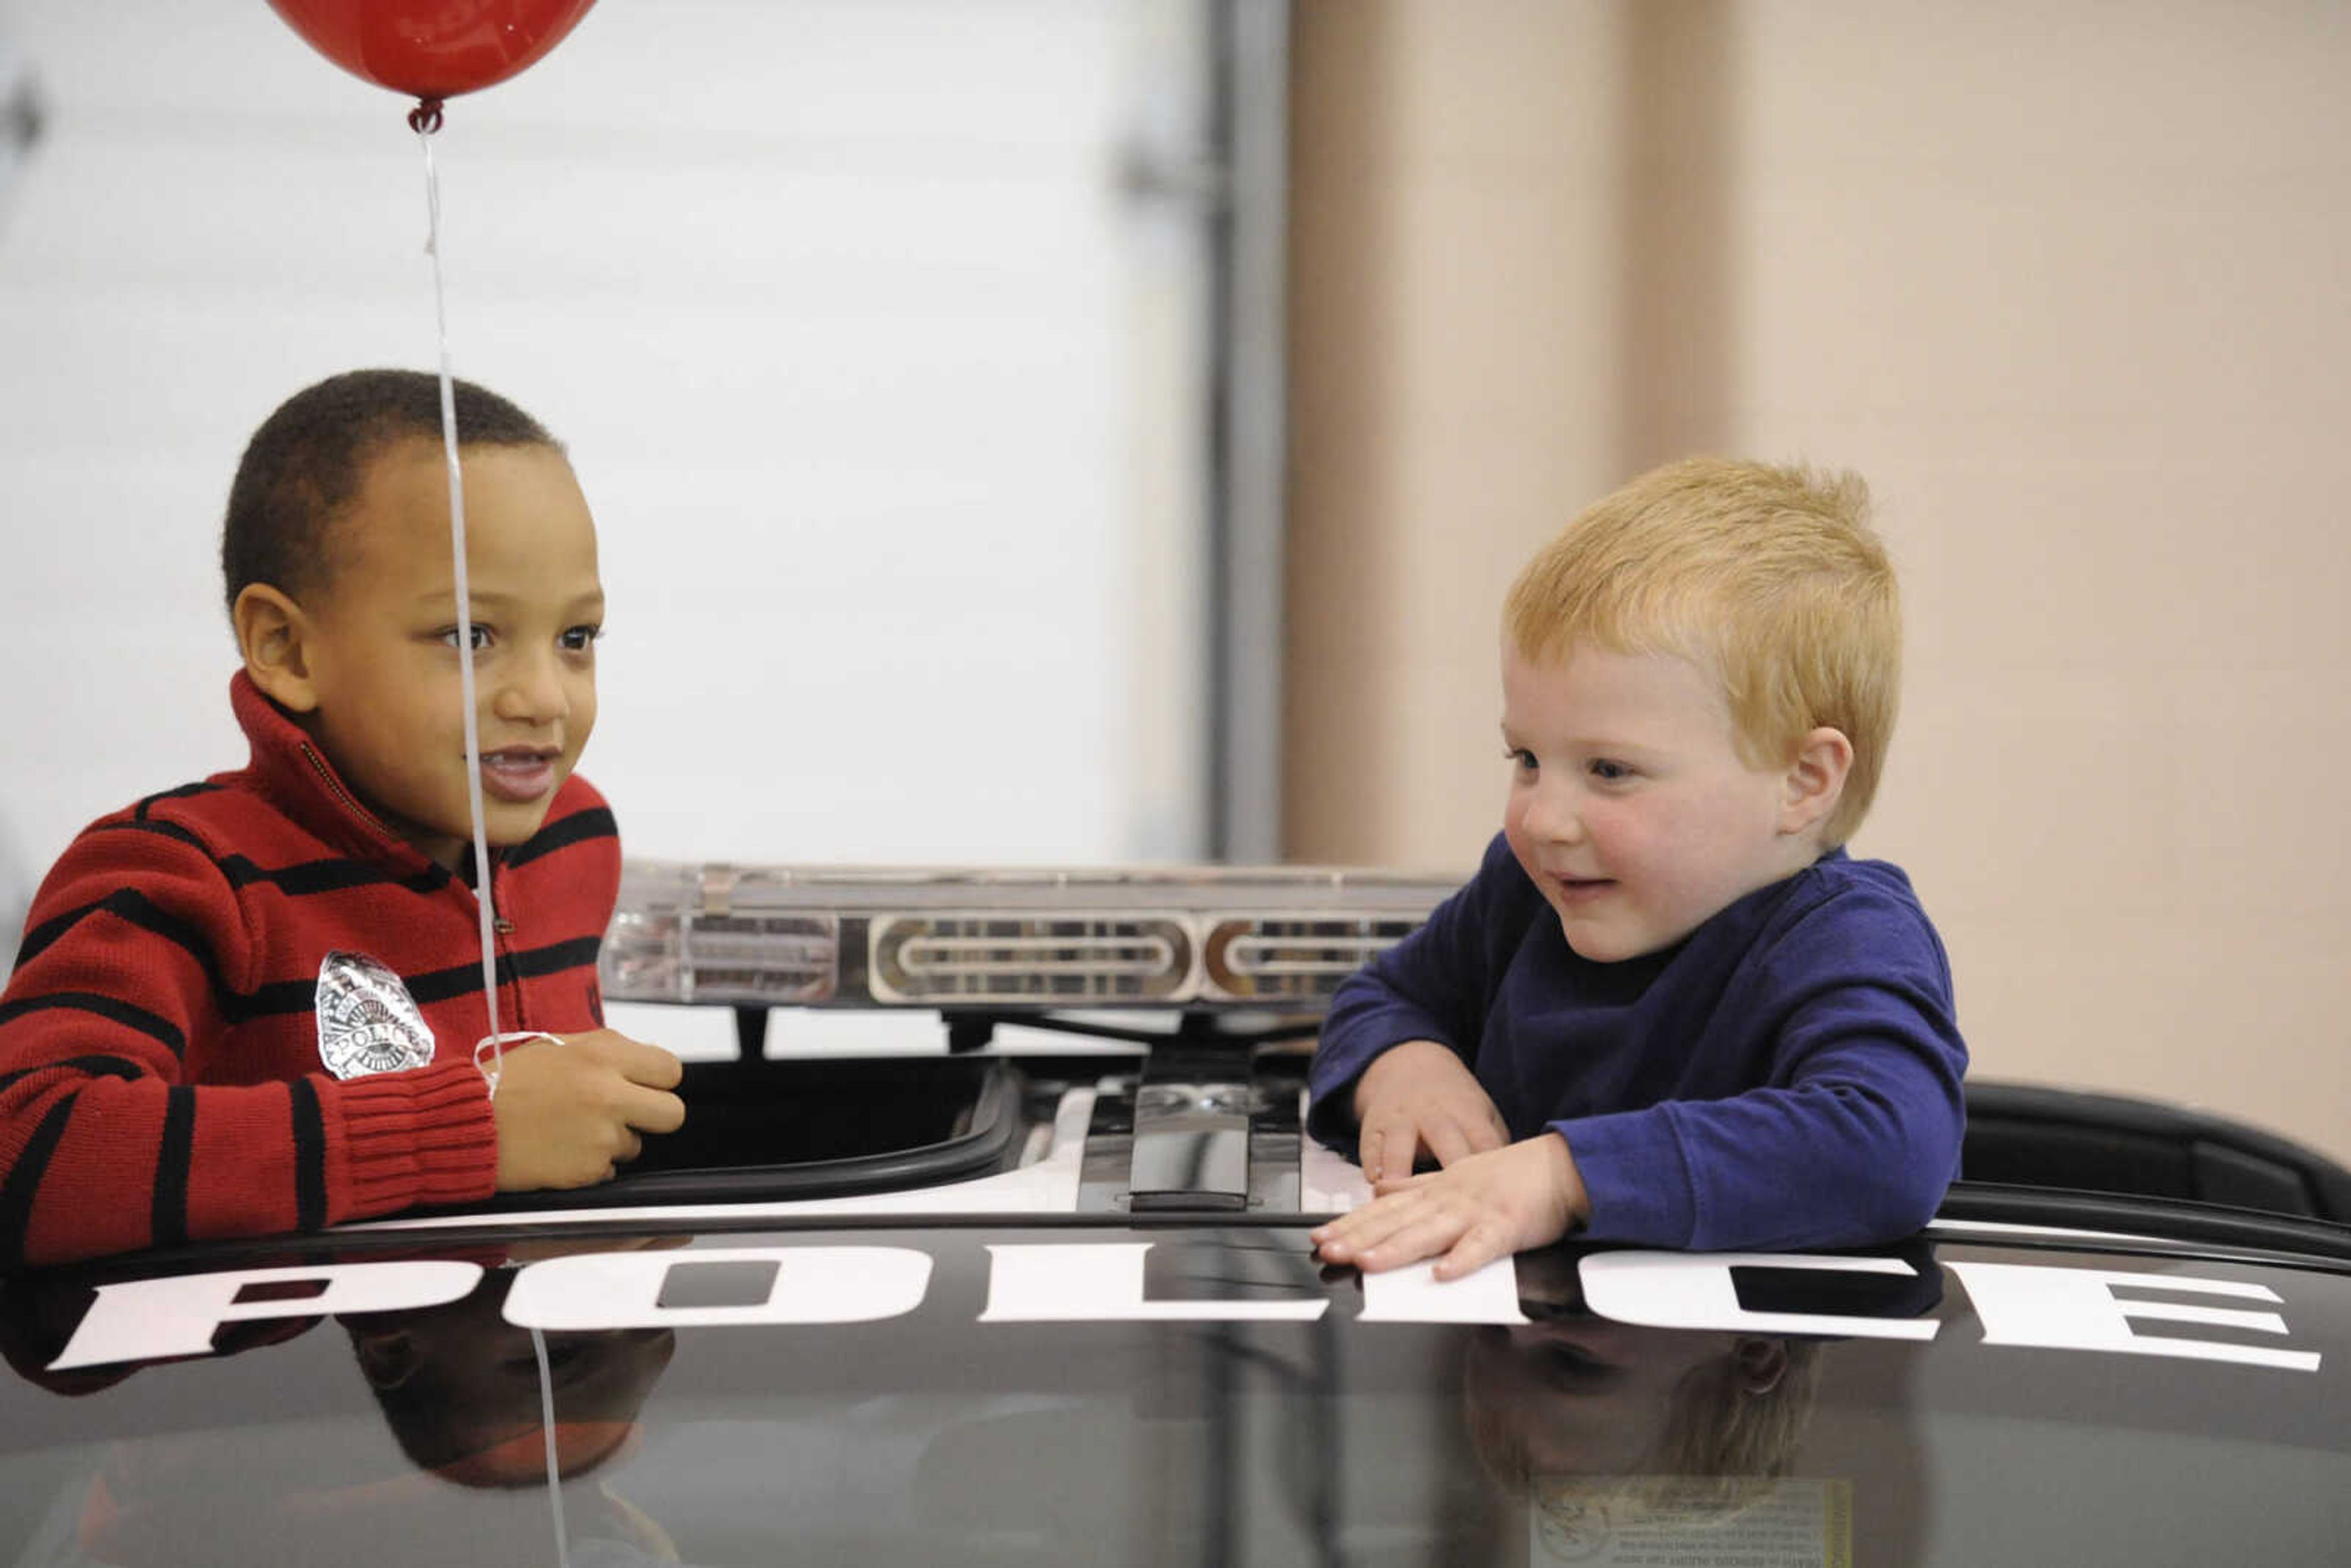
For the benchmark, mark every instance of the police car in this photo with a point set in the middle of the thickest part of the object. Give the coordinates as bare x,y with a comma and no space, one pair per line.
1046,1296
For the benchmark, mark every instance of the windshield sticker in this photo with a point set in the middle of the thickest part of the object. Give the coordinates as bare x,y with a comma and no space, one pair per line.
368,1023
620,1287
1413,1294
1089,1281
649,1289
151,1319
2076,1308
1688,1522
1696,1291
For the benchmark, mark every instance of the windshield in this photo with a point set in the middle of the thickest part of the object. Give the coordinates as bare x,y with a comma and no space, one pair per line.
945,1432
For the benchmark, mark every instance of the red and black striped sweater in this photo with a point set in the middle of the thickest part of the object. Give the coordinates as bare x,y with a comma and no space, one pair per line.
161,1073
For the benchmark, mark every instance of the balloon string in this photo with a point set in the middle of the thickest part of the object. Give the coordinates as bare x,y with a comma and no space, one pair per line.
554,1473
465,596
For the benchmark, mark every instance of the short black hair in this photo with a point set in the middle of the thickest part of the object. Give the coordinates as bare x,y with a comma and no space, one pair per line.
309,458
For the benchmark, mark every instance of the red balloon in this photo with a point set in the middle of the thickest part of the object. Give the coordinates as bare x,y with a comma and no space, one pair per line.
433,48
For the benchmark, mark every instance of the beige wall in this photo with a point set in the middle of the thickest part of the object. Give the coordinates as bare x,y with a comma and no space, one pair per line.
2065,282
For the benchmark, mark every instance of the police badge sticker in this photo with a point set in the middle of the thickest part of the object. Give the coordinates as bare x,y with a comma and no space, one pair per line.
367,1021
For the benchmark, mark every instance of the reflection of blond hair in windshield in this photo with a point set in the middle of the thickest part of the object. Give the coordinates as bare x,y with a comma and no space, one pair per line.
1671,1419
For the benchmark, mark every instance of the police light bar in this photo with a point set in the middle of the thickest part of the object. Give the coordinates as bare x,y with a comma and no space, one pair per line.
1244,937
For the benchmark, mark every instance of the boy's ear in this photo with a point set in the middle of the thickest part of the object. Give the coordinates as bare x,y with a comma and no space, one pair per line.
388,1358
1815,778
273,634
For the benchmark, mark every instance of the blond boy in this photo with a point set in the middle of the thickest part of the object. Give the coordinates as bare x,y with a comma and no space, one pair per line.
1668,1008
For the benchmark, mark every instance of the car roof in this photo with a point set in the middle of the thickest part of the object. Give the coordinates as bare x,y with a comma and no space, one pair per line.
1096,1388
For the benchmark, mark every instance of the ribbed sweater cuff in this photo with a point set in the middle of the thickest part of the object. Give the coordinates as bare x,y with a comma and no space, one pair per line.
1636,1176
421,1137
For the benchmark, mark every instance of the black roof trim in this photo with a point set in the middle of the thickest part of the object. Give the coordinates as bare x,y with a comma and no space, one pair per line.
2028,1135
2287,1239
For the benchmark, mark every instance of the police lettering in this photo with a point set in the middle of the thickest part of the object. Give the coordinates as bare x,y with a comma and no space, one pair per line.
1104,1282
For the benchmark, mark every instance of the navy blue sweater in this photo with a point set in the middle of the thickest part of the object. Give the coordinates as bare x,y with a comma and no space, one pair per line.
1785,1076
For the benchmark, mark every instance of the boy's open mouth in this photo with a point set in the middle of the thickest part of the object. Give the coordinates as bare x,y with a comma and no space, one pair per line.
1576,889
519,773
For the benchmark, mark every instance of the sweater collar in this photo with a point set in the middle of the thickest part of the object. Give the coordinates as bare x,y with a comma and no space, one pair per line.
289,768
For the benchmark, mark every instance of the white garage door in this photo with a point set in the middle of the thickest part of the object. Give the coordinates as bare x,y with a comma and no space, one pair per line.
886,389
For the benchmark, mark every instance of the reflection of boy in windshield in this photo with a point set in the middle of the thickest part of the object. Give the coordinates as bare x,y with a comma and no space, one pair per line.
463,1396
1581,1393
462,1387
1613,1429
1572,1392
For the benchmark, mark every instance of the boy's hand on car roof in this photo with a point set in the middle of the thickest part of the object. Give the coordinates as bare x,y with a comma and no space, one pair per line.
1420,1095
1484,1207
571,1114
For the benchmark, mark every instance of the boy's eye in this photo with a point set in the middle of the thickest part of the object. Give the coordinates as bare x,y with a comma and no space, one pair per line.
480,636
580,639
1522,759
1609,772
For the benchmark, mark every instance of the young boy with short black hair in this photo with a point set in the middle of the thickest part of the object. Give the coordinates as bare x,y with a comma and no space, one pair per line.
250,1005
1668,1008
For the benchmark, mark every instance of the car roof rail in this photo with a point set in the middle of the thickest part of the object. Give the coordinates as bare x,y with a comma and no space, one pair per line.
2031,1135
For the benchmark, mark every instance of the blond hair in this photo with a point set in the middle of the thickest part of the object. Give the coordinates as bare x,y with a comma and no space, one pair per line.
1769,577
1719,1427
